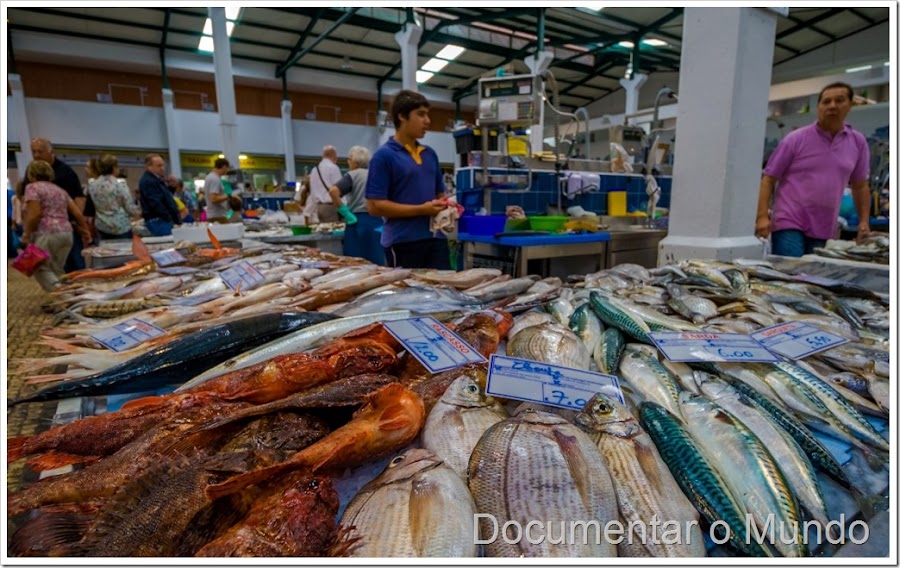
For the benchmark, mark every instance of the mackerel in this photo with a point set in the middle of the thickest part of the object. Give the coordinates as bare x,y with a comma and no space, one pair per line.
586,325
608,351
653,382
749,469
613,313
700,482
295,342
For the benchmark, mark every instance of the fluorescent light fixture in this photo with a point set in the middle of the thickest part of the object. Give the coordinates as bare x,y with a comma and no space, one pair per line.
627,44
207,27
422,76
654,42
887,63
594,6
435,64
450,52
232,12
860,68
206,44
242,157
221,155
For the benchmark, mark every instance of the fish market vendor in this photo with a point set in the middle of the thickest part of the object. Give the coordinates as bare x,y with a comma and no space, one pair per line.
812,165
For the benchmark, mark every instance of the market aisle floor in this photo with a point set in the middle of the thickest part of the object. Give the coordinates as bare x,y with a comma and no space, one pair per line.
24,320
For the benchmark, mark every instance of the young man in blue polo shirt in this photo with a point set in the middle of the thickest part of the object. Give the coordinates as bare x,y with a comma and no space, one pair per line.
406,187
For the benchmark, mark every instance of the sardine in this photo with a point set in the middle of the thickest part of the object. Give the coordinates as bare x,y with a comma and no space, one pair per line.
457,422
418,507
538,467
645,489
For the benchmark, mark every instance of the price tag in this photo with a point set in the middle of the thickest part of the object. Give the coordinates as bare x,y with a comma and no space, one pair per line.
167,257
796,340
242,274
178,270
435,346
315,264
127,334
695,347
545,383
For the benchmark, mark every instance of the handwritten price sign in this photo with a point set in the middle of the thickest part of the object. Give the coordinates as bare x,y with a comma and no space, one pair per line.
796,340
435,346
534,381
690,347
127,334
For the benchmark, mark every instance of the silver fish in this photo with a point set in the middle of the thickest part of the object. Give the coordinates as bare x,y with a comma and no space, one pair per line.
586,325
528,319
550,343
650,379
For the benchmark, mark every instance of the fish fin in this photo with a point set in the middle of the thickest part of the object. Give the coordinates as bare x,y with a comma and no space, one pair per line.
647,460
139,249
15,447
345,542
429,513
240,482
394,417
54,459
50,533
723,417
212,239
337,450
144,401
578,467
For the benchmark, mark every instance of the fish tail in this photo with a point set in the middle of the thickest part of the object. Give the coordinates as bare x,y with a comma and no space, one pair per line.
241,482
54,460
139,249
15,447
212,239
50,534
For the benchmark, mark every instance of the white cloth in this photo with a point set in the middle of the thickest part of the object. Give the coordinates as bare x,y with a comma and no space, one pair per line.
318,192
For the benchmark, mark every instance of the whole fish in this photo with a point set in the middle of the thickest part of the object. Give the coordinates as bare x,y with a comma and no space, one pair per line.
857,358
460,280
116,308
796,467
185,356
529,319
699,480
561,309
407,298
540,290
587,326
536,466
353,272
294,342
633,271
504,289
694,308
389,421
550,343
292,517
457,422
613,313
418,507
608,351
653,382
749,469
645,489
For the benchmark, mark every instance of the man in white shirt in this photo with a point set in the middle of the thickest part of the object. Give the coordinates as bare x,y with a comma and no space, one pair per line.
320,207
216,199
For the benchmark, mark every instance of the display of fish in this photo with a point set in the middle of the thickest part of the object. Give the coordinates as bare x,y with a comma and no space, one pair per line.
608,351
550,343
460,280
437,299
457,422
587,326
645,374
418,507
536,466
645,489
503,289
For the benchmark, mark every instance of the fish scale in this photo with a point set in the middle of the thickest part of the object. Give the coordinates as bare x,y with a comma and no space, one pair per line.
520,471
698,479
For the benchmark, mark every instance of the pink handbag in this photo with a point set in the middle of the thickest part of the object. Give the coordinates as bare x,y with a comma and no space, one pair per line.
30,259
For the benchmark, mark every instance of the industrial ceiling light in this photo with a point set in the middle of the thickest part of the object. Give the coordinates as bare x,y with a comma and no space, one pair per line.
450,52
654,42
207,27
627,44
423,76
232,13
435,64
860,68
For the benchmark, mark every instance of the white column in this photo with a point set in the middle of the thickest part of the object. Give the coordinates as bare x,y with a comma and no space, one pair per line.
538,64
287,131
168,98
224,86
408,38
632,90
23,156
723,97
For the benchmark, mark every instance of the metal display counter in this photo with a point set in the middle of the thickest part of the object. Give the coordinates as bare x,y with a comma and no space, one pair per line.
564,254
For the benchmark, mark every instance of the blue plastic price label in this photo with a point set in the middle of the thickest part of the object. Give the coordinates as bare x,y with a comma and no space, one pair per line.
167,257
435,346
243,275
544,383
127,334
796,340
695,347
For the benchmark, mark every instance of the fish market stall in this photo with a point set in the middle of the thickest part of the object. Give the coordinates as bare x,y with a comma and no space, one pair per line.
586,252
279,400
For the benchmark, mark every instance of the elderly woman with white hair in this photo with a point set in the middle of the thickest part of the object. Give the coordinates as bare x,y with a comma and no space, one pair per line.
360,237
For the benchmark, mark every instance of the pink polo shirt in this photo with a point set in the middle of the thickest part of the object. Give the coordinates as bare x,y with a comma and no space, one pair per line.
812,170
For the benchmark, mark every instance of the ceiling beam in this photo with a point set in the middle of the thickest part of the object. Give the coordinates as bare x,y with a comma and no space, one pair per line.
861,16
309,28
835,40
810,24
297,55
588,76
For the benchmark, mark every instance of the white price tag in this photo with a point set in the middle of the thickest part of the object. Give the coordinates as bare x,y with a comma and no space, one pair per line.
544,383
127,334
796,340
242,274
167,257
435,346
694,347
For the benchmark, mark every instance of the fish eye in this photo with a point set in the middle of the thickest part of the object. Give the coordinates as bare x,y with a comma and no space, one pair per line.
603,408
472,388
397,460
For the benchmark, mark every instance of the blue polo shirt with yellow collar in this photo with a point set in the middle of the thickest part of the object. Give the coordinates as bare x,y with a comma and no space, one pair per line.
407,175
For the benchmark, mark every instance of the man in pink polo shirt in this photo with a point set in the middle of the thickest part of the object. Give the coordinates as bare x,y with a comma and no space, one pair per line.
812,166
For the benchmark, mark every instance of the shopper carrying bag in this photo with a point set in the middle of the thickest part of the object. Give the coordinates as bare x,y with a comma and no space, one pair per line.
30,259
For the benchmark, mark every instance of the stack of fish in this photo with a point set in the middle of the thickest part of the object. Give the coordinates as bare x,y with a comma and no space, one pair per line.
875,248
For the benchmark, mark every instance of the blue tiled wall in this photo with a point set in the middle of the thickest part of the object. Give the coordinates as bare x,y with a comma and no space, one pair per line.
543,192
